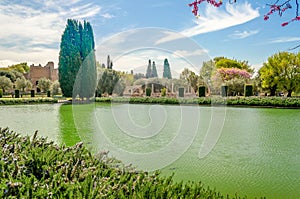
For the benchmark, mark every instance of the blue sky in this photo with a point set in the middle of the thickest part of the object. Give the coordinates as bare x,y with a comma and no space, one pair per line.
134,31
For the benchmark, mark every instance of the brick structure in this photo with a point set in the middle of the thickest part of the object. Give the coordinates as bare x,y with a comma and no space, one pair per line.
37,72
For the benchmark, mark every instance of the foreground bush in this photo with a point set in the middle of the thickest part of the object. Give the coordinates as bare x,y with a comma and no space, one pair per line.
12,101
230,101
35,168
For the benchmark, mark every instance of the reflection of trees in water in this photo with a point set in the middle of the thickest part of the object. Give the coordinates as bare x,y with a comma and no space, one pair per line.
68,131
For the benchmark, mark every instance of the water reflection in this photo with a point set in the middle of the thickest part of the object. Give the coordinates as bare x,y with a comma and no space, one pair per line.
68,132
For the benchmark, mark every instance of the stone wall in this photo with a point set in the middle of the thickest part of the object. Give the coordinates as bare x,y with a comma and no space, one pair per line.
37,72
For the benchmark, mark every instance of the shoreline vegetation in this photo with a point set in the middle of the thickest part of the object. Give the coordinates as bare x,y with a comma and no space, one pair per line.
35,100
265,102
282,102
36,168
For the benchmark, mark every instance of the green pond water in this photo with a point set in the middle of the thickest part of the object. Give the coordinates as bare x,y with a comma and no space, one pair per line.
248,151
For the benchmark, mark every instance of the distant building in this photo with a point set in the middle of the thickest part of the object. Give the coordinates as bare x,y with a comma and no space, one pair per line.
37,72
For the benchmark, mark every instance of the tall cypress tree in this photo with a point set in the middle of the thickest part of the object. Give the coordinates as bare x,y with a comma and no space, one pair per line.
154,71
109,63
87,76
167,71
149,71
77,62
69,57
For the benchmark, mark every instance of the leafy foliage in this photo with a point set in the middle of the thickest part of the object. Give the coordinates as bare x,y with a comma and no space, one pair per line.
110,82
5,83
56,88
154,71
206,72
234,78
167,71
191,79
281,71
13,101
23,84
77,53
36,168
44,84
229,63
11,74
151,70
230,101
21,67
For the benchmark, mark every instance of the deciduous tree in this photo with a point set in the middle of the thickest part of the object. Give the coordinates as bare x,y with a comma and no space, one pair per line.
23,84
281,71
44,84
234,78
5,83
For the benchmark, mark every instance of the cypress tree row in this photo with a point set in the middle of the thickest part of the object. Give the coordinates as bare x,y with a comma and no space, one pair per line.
154,71
77,62
69,57
149,71
87,77
167,70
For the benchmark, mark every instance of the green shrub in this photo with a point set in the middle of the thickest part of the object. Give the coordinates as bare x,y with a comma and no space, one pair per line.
14,101
148,92
32,93
36,168
163,92
17,93
224,91
48,93
231,101
248,90
201,91
181,92
1,93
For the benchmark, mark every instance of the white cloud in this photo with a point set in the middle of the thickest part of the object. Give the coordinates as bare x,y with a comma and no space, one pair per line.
107,16
185,53
285,39
214,19
243,34
32,31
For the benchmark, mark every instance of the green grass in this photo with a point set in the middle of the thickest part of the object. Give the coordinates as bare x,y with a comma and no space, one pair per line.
36,168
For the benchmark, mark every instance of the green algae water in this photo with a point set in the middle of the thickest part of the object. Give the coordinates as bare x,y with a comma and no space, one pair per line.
257,153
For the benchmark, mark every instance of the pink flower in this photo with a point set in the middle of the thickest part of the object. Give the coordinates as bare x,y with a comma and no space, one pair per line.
266,17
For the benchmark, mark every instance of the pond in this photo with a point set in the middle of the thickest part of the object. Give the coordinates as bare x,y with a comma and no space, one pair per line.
249,151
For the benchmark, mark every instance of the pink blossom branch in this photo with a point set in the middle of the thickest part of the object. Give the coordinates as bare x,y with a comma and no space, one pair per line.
279,7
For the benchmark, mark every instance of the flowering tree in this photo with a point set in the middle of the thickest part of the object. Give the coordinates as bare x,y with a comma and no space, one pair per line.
234,78
279,7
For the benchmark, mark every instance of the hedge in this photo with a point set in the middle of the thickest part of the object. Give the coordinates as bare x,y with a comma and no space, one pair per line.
229,101
13,101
